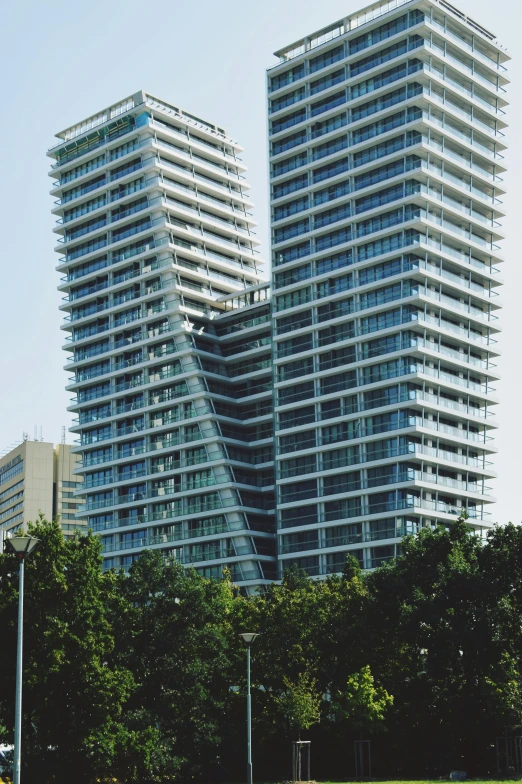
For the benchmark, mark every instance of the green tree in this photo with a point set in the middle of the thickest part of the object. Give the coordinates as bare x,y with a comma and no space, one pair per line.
361,705
72,699
300,703
175,635
446,626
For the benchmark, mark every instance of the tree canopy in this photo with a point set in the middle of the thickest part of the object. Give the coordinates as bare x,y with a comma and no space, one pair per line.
142,677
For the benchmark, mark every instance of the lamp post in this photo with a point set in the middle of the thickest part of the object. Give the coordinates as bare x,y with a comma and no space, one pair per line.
21,546
248,639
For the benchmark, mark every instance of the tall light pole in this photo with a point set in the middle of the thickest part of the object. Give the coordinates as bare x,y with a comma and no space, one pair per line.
21,546
248,639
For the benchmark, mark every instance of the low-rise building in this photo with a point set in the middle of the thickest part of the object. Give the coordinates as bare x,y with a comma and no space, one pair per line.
38,477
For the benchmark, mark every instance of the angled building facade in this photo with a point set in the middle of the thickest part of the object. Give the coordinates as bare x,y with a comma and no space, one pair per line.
230,427
386,132
155,234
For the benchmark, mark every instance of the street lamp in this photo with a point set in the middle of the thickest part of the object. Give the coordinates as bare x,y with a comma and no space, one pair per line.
21,546
248,639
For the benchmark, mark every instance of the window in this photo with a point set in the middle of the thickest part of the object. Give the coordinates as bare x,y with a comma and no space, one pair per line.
327,58
296,417
385,31
332,192
98,478
288,142
293,298
293,252
330,170
386,172
17,487
391,369
341,483
297,466
384,78
391,421
327,81
328,103
337,458
331,310
297,441
383,101
386,124
297,491
388,447
335,562
288,120
308,565
337,333
282,167
85,187
386,345
384,55
326,126
333,238
336,261
300,367
287,100
97,434
390,474
338,382
391,500
344,534
290,208
289,186
334,285
331,216
294,345
93,414
199,479
306,540
201,503
328,148
294,275
287,77
387,244
79,171
293,322
342,509
384,220
131,448
291,230
13,468
295,393
380,197
385,148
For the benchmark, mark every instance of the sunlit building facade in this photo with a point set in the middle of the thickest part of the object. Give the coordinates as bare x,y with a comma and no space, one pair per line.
386,139
157,247
233,428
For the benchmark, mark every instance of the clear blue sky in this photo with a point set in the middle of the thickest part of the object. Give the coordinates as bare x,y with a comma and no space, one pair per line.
63,61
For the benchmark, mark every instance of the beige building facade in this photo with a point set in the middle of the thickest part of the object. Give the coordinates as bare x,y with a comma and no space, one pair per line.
38,477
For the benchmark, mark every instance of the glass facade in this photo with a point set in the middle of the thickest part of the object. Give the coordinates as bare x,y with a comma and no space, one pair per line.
167,326
385,307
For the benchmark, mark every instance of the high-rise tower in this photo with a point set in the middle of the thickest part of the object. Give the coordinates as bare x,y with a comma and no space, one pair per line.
155,235
386,132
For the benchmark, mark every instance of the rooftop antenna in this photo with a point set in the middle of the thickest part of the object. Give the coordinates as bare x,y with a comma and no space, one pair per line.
25,436
35,433
41,435
63,435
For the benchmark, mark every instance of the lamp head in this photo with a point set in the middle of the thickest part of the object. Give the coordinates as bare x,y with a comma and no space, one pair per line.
248,637
21,546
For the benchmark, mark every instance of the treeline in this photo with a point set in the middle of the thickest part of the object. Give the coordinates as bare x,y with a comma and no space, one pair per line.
141,678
